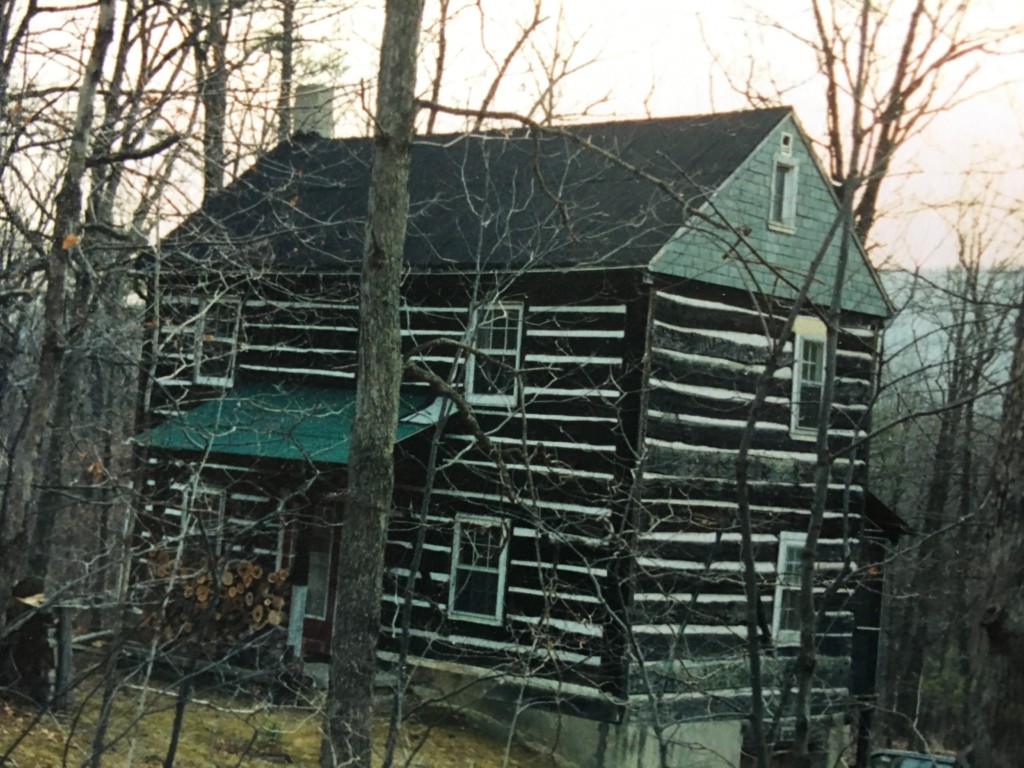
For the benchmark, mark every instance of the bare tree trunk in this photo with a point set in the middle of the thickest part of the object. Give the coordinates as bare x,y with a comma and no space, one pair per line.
356,624
759,737
14,522
997,649
916,641
806,660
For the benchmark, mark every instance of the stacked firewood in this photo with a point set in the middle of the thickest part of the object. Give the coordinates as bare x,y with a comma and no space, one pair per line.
218,602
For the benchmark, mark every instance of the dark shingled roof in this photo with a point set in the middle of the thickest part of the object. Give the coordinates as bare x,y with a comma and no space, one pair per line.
498,200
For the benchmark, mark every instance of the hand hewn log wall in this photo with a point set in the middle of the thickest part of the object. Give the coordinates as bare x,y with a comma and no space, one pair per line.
688,615
569,451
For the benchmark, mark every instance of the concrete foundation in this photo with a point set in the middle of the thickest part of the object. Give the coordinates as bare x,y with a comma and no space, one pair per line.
497,706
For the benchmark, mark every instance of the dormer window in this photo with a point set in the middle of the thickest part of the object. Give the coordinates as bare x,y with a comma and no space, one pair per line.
216,343
786,144
491,369
782,210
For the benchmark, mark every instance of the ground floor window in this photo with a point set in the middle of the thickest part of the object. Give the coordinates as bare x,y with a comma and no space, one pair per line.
320,546
479,562
318,584
786,623
203,520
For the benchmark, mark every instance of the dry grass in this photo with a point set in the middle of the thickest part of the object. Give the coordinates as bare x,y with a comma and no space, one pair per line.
220,732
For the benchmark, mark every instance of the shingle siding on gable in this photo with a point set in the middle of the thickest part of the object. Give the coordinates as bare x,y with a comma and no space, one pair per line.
716,255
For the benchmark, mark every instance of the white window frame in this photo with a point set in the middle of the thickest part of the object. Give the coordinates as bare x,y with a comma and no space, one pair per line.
500,570
808,331
328,556
207,320
509,355
190,526
786,144
787,583
784,180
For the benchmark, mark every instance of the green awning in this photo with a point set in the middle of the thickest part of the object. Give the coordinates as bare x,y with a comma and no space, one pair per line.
299,422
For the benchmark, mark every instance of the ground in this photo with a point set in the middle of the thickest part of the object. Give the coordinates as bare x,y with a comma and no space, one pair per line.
238,731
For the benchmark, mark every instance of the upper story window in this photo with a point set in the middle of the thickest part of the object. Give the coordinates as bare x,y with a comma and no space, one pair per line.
491,369
782,206
479,563
808,375
216,343
786,613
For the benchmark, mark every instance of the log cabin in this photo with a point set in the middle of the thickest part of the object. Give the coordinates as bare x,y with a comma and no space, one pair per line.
587,314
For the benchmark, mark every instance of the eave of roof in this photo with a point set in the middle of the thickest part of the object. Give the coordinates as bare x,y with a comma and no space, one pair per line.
296,422
885,518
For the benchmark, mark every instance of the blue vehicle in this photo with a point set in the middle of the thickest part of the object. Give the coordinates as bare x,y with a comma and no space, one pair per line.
898,758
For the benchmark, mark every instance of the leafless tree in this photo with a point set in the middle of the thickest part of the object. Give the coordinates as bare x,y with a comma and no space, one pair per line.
348,720
996,643
949,353
64,238
886,72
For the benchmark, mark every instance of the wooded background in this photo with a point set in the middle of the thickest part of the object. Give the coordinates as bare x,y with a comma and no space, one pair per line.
121,116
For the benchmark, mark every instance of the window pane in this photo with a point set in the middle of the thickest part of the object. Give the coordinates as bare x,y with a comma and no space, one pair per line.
809,406
480,546
813,361
217,339
205,522
497,338
478,569
791,563
215,360
494,377
498,328
787,587
220,323
789,615
206,506
476,592
318,585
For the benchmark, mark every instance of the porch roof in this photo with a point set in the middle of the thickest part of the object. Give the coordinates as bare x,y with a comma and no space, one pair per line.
297,422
